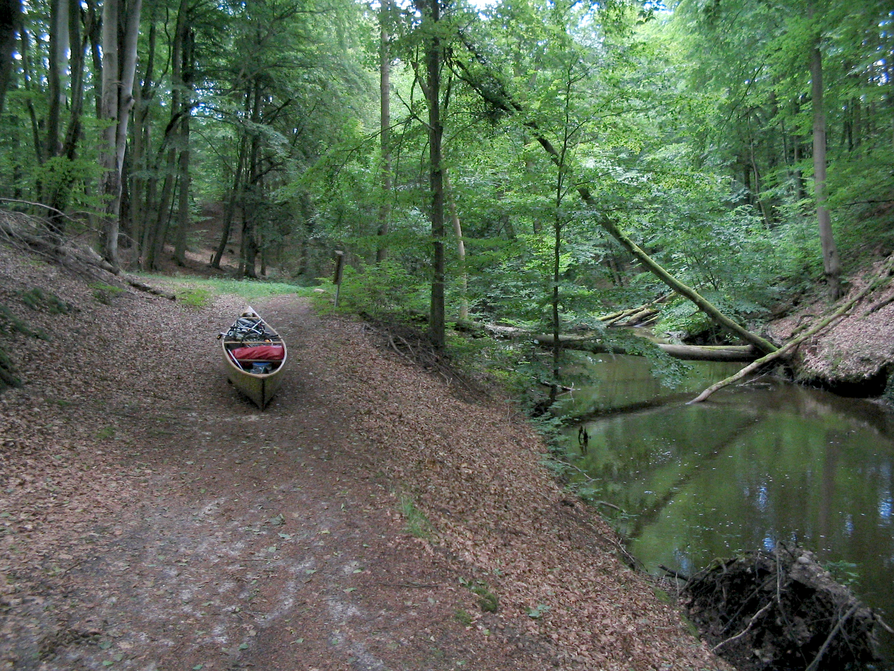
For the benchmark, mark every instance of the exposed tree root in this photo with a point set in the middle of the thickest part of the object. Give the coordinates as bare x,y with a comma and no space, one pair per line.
781,610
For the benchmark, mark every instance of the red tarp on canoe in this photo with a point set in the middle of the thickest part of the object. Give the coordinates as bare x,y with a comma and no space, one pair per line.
260,353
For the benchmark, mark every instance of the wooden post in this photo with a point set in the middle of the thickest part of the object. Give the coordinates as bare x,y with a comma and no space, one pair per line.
339,267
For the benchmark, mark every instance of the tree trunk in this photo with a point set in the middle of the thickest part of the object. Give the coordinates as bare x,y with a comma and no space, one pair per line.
27,80
142,140
252,193
118,71
183,178
76,72
56,68
831,262
94,35
230,210
436,176
157,232
110,182
57,199
384,125
10,16
883,276
183,77
460,247
596,345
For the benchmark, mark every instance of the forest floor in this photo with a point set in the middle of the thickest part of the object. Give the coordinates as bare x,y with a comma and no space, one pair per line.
378,515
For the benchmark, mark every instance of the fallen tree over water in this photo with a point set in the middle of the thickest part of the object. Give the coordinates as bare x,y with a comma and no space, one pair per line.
597,344
781,610
686,352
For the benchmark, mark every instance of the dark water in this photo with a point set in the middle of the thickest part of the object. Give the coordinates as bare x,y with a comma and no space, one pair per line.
750,468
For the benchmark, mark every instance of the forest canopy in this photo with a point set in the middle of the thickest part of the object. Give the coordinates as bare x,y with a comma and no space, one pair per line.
517,161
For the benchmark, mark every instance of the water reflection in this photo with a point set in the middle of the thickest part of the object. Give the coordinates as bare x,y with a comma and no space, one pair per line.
750,468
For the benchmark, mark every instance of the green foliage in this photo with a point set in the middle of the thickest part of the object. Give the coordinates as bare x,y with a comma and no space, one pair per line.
844,572
195,297
462,616
37,299
487,600
382,289
417,523
105,293
201,290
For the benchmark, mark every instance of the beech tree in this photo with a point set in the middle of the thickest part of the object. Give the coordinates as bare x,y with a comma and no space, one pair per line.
765,65
121,21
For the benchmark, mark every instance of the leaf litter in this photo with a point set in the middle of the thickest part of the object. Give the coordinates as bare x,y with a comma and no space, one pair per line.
115,552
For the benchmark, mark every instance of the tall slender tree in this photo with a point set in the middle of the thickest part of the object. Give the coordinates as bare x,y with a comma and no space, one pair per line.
385,11
119,60
10,16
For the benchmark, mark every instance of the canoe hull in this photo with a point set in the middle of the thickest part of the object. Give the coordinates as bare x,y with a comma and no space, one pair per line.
258,387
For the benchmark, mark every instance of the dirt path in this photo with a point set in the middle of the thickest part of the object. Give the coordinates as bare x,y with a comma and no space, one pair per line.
152,519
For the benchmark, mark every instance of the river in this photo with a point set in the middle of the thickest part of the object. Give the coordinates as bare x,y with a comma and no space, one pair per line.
753,466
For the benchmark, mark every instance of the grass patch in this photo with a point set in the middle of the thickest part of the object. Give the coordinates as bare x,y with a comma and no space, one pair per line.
37,299
105,293
105,433
195,297
9,321
487,600
8,377
417,523
200,291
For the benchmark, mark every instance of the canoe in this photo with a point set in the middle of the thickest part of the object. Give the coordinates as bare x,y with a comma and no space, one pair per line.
255,357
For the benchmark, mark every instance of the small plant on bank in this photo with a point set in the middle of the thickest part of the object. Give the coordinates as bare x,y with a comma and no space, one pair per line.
538,612
106,433
105,293
462,616
487,600
36,299
417,523
844,572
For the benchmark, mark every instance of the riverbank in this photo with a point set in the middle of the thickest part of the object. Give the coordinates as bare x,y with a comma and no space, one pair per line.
853,356
375,516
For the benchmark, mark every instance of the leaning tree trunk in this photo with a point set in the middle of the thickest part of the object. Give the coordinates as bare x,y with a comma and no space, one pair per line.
460,247
230,210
